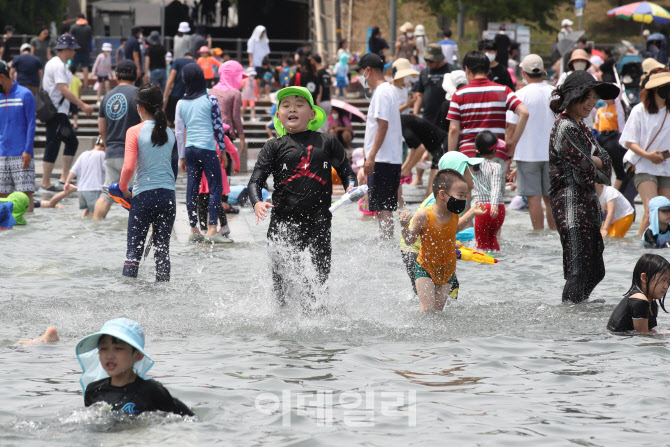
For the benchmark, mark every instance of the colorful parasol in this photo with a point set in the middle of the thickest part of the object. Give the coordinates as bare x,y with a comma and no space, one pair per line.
346,107
644,12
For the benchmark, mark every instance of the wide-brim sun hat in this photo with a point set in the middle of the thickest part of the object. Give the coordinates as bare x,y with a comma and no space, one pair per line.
123,329
319,117
405,27
579,55
579,82
451,81
402,68
650,64
433,53
657,80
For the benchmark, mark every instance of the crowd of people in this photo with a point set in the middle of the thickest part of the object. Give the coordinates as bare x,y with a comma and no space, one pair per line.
463,119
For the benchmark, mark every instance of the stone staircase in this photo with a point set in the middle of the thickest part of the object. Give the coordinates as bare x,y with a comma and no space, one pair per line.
255,132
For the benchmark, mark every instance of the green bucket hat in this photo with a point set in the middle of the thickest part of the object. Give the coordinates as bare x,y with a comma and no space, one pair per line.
21,203
319,118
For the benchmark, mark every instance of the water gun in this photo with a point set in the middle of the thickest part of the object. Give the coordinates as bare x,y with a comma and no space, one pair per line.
468,254
115,193
352,196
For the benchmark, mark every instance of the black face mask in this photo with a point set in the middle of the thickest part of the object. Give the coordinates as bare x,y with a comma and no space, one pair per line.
664,92
456,206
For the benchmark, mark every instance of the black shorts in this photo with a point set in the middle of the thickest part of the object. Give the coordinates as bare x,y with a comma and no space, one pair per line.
171,108
74,110
435,164
383,187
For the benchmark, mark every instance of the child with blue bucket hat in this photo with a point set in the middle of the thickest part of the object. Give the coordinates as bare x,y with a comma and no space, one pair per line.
115,365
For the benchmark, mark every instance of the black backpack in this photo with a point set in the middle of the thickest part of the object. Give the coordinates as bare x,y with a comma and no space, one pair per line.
45,108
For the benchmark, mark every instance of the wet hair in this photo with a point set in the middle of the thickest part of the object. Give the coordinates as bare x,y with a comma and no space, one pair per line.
477,62
445,178
651,265
487,44
114,340
151,98
446,33
486,143
559,96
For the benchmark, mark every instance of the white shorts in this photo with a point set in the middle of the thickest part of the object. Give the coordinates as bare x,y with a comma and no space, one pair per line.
14,178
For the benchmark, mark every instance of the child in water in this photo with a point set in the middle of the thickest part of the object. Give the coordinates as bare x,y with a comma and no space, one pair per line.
299,161
657,234
435,267
114,367
638,309
620,214
488,192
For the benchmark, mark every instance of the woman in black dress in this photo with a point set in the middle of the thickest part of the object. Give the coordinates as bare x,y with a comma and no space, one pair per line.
577,162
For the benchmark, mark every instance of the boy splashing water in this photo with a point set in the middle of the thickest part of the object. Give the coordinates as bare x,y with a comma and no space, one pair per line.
300,162
435,268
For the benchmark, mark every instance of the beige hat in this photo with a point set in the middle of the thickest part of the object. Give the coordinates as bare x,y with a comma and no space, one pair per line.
579,55
657,80
402,68
406,27
649,64
533,64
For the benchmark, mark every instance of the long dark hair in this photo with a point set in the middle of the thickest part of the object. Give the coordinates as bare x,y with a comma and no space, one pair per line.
373,35
151,98
651,265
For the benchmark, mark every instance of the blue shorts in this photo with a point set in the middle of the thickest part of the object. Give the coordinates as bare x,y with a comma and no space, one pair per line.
81,60
342,81
271,124
103,78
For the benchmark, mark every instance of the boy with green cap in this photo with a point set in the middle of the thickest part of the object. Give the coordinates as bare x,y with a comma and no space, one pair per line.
300,161
21,203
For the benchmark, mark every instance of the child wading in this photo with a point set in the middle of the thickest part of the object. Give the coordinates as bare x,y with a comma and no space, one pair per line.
488,192
151,154
657,234
300,163
114,367
639,308
437,225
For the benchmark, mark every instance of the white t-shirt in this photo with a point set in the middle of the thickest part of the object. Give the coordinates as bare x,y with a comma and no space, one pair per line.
384,105
90,171
641,128
56,72
534,142
622,206
402,94
259,49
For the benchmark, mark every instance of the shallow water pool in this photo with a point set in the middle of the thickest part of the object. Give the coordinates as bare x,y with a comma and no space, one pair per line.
506,364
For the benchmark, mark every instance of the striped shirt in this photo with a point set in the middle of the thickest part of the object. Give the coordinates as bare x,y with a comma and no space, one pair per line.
487,183
481,105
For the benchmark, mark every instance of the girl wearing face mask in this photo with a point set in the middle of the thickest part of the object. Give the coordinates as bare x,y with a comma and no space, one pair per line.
576,163
403,73
646,135
405,46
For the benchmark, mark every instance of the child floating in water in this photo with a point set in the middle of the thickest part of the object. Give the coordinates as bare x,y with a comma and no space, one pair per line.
657,235
488,192
50,336
639,308
300,162
437,225
114,367
620,214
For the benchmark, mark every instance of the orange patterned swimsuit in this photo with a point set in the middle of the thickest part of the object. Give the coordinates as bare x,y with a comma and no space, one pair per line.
438,248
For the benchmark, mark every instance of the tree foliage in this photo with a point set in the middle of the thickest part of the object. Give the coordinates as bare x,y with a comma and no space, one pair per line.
483,11
25,15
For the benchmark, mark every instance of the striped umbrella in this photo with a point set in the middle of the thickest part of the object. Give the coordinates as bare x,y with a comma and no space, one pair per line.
644,12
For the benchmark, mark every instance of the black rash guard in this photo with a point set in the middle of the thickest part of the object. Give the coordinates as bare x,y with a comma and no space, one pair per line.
630,309
136,397
300,165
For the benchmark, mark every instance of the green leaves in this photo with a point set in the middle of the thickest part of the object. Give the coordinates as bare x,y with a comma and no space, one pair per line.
25,14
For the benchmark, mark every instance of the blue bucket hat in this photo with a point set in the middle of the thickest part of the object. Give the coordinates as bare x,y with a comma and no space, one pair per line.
656,204
125,330
67,42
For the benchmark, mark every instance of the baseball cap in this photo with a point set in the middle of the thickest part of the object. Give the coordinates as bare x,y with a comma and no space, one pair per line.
371,60
319,117
533,64
24,47
126,66
67,42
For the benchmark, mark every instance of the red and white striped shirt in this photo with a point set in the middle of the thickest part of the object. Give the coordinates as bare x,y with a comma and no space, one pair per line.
481,105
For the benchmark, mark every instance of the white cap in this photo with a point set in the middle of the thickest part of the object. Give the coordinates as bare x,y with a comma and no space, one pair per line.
106,46
184,27
567,22
24,47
